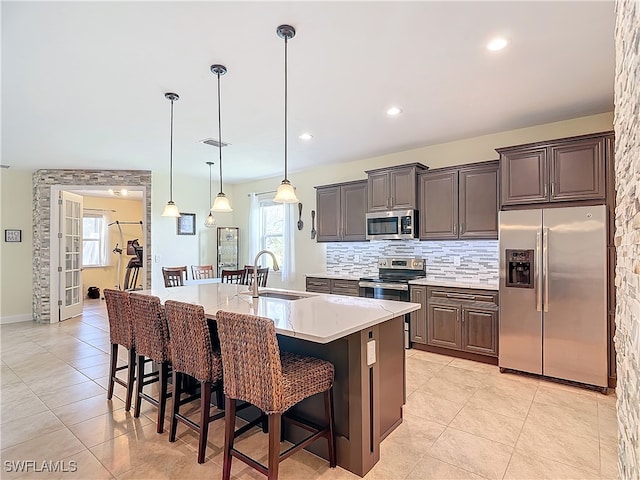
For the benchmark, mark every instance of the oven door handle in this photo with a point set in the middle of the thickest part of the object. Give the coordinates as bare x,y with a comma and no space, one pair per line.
388,286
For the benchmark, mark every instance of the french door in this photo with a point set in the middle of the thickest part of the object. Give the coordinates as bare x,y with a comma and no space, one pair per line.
70,258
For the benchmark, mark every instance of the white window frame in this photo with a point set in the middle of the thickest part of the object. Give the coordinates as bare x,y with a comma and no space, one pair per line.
264,203
102,241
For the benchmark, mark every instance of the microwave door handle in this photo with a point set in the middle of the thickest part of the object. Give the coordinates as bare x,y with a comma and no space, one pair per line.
545,268
537,276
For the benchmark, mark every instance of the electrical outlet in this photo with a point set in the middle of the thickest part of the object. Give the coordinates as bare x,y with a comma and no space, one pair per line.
356,258
456,260
156,258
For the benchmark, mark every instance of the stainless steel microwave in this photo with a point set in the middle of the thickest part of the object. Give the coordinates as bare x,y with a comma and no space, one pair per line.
392,225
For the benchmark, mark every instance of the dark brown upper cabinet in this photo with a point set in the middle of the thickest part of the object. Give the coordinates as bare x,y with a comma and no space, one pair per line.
459,203
569,169
393,188
341,210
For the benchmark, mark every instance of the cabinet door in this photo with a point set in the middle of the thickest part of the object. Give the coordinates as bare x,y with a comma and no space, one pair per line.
480,331
443,326
479,202
353,209
439,205
524,176
345,287
418,319
318,285
328,206
577,170
403,188
378,191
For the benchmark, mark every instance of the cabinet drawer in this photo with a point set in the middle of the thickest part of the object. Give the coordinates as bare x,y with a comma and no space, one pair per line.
462,296
345,287
318,285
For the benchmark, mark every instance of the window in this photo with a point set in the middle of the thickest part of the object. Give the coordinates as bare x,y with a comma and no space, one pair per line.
272,228
93,241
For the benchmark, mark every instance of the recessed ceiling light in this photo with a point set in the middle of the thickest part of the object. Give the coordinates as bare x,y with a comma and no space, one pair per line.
305,136
393,111
497,43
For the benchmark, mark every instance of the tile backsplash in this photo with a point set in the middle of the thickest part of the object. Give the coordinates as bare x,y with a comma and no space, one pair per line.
479,261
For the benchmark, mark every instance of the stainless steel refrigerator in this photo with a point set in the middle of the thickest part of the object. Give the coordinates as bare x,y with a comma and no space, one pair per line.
553,293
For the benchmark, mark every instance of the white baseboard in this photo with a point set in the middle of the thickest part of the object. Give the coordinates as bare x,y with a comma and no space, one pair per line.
24,317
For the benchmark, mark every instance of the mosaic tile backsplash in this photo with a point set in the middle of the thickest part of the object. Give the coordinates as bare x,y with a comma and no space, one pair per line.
479,261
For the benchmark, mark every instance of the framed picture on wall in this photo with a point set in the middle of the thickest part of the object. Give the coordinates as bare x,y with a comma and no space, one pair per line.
13,235
186,224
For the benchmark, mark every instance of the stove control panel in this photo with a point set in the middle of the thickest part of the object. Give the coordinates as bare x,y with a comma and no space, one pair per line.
402,263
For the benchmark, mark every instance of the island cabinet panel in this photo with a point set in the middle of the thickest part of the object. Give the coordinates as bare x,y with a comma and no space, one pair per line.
461,319
562,170
369,392
459,203
393,188
418,319
341,210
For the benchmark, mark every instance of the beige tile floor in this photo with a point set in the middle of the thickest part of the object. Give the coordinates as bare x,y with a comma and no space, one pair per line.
463,420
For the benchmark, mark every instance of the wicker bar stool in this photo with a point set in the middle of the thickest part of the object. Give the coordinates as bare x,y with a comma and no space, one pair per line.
192,354
152,341
120,333
257,372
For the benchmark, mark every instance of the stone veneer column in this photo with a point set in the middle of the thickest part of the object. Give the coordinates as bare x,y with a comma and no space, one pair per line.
627,237
43,180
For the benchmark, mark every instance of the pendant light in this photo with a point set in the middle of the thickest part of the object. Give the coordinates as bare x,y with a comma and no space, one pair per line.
210,221
285,193
221,203
170,209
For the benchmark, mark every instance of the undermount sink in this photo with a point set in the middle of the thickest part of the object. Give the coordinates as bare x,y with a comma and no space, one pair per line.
281,295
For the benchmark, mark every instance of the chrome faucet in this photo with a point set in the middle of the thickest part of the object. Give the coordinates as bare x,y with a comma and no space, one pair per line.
255,270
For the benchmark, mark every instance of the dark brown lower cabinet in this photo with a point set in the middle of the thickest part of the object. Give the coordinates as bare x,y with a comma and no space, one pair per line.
335,286
457,319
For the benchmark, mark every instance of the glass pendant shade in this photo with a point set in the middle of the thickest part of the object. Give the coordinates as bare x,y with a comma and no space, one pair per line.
170,210
285,193
221,204
210,221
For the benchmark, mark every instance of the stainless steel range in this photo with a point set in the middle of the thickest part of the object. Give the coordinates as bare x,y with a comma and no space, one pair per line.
392,282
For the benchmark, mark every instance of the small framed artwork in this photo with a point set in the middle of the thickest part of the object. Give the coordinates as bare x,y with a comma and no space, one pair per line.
186,224
13,235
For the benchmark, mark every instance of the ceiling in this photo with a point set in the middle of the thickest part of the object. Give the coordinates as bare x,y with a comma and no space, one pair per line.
83,83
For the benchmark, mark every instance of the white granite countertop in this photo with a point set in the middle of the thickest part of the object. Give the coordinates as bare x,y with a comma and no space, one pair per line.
435,282
337,276
319,318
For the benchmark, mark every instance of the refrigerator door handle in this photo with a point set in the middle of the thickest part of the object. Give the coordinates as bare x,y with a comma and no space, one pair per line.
538,277
545,268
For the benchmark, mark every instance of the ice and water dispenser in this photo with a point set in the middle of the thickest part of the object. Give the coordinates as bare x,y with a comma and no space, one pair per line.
520,268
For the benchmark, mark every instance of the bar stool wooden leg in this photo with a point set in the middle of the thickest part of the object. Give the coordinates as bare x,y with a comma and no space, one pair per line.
205,406
173,427
140,382
131,371
164,373
328,407
112,369
274,445
229,429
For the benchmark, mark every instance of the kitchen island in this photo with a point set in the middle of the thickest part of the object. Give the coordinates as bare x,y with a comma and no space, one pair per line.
362,337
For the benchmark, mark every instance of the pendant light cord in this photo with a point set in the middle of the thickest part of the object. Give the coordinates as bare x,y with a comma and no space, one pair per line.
285,107
171,157
210,182
220,132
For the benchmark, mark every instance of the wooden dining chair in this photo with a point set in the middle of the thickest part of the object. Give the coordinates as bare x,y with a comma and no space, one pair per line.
174,276
233,276
263,274
200,272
